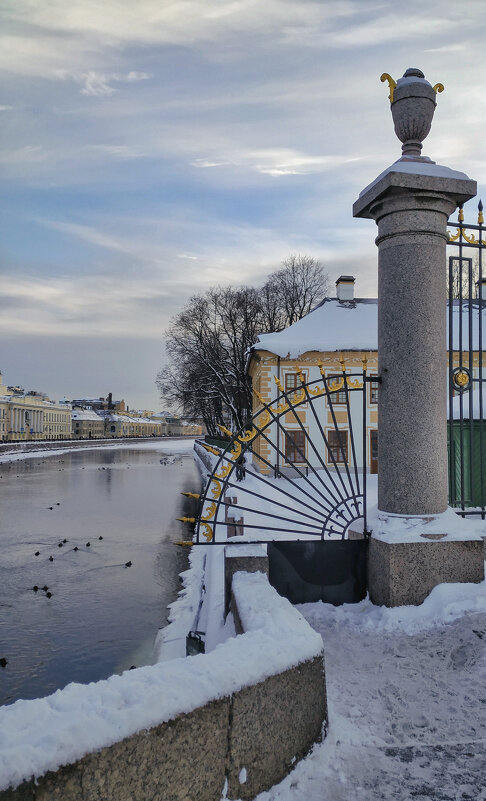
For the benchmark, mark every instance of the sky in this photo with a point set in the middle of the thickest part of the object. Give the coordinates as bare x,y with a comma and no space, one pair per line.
153,149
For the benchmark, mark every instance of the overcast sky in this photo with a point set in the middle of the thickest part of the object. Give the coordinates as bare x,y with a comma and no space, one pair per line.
153,148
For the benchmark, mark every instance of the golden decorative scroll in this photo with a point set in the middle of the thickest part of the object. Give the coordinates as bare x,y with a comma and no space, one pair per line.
235,453
316,391
336,385
297,396
225,470
207,531
354,384
264,418
471,239
210,512
217,489
282,407
248,435
391,84
438,88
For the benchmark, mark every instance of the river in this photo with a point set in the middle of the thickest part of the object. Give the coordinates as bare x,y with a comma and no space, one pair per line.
108,598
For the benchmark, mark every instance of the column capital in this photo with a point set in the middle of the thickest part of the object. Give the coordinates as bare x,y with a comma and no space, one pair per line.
408,178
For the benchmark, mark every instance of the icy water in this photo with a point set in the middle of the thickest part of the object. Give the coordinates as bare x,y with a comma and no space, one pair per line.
103,616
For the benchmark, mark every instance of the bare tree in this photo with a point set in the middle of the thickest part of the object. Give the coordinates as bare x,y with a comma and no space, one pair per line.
296,286
207,342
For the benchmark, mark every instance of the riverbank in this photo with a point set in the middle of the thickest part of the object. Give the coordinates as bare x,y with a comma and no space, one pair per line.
10,451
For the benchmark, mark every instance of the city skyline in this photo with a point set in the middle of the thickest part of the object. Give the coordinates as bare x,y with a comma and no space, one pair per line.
153,150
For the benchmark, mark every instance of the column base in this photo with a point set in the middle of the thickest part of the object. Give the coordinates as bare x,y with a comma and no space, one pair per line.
410,556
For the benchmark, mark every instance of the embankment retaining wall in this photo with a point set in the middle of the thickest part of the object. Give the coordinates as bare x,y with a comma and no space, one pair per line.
238,716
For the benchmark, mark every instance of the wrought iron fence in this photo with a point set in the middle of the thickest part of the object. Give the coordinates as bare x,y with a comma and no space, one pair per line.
319,487
467,373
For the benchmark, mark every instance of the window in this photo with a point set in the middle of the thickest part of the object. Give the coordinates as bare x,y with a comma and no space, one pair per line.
291,382
337,446
336,397
374,391
295,442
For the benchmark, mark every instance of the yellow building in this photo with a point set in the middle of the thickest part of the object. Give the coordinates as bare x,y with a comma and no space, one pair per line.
27,416
86,424
126,425
339,332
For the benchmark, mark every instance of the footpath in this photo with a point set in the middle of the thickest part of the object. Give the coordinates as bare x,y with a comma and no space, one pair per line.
407,702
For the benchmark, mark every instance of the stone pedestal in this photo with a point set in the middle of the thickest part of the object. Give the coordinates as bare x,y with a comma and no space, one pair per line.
411,202
404,573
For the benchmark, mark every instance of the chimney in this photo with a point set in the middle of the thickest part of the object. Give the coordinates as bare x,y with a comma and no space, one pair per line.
345,287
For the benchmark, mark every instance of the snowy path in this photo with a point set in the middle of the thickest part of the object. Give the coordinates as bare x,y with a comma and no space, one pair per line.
407,706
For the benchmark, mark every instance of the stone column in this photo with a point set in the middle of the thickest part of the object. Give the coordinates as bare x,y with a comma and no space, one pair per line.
411,202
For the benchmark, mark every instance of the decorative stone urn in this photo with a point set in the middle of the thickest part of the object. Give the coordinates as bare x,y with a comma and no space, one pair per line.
413,102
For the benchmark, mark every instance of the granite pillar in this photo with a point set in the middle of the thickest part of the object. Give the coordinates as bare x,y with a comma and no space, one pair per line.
411,202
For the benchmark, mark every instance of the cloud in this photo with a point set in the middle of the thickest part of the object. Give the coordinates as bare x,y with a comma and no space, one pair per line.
277,162
98,84
29,154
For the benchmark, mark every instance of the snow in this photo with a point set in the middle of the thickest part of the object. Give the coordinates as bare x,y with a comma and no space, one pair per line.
331,326
353,325
448,527
406,691
43,734
173,445
86,414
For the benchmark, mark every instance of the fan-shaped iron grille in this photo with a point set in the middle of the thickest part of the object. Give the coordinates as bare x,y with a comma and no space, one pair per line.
282,479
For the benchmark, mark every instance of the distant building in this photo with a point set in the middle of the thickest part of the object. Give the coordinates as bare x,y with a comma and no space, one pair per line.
26,416
101,404
178,427
126,425
86,424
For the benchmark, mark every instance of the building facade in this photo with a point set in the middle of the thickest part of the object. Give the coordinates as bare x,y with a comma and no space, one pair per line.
28,416
339,333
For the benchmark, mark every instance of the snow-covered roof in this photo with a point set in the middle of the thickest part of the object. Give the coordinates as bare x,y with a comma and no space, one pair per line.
85,414
353,325
125,418
333,325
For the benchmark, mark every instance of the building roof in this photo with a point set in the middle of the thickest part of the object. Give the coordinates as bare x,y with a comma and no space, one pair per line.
353,325
333,325
86,414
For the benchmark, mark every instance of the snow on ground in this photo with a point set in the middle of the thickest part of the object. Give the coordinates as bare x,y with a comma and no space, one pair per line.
407,702
171,445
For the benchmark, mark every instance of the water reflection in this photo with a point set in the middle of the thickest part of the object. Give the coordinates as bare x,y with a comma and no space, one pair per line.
102,616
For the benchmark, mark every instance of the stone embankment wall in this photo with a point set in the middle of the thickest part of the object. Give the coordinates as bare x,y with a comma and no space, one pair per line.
59,444
259,702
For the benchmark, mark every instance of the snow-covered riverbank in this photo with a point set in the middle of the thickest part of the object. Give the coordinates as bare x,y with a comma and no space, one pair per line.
174,445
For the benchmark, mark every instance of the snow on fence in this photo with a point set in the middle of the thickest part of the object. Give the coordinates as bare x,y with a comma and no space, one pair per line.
235,718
